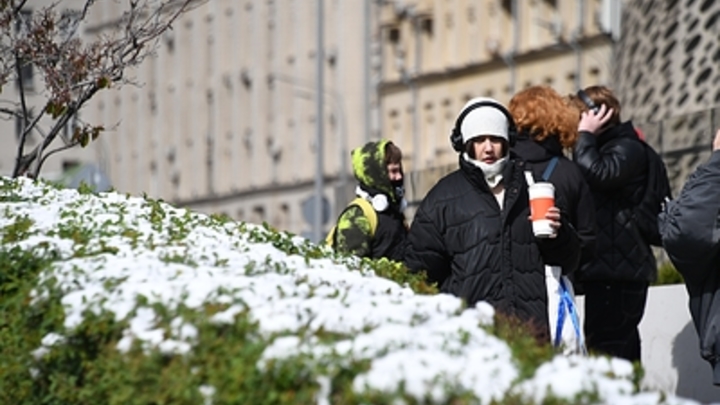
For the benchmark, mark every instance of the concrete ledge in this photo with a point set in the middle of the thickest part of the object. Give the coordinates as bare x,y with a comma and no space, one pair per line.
670,347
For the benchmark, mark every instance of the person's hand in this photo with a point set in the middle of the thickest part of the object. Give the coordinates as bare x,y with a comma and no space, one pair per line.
716,142
591,122
553,214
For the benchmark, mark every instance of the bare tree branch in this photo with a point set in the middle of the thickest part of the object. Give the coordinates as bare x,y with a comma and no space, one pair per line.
17,8
60,124
73,69
13,113
60,149
24,113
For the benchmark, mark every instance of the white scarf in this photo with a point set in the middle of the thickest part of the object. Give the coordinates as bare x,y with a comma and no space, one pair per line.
492,171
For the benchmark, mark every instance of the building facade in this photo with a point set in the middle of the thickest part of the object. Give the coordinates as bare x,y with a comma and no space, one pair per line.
439,54
223,118
668,60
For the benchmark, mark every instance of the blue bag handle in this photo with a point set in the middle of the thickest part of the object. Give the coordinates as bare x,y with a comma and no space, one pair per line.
567,304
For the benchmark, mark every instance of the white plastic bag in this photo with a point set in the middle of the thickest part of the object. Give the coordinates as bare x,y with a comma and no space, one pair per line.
562,313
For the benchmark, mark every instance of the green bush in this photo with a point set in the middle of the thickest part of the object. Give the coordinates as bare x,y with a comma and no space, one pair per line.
87,364
667,274
89,369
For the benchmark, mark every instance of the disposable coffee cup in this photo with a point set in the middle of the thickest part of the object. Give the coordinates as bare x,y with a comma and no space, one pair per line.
542,197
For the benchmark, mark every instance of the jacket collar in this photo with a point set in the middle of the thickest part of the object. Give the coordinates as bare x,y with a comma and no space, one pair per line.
513,180
622,130
530,150
475,175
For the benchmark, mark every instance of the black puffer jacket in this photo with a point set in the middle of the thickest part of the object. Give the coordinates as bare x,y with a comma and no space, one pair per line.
390,238
615,166
572,194
478,252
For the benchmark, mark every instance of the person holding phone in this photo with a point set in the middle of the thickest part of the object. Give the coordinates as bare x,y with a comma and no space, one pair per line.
615,282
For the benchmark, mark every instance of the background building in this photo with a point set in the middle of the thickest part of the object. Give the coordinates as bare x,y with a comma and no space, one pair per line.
224,117
439,54
667,74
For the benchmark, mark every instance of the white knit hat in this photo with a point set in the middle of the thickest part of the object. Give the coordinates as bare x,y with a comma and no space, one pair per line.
485,120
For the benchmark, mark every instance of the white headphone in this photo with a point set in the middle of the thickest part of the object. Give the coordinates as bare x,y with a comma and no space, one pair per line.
379,201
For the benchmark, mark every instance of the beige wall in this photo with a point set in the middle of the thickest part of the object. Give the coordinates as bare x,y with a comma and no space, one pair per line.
223,119
439,54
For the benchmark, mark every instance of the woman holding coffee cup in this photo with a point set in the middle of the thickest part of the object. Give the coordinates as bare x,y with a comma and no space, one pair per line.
547,126
472,233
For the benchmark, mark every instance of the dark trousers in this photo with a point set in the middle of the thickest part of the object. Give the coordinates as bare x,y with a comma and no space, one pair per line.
613,311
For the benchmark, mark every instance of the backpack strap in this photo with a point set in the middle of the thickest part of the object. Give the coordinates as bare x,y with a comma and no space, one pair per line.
550,168
367,210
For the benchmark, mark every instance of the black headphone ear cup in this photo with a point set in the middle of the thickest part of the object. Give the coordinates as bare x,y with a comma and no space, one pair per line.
512,136
456,140
588,101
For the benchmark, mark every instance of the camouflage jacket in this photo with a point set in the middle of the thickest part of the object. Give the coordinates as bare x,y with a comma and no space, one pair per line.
353,233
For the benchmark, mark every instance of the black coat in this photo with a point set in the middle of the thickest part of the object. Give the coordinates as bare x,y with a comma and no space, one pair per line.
691,236
572,194
615,166
390,238
477,251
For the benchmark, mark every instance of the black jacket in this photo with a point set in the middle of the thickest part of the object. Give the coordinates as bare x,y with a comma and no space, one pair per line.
390,238
615,166
690,228
476,251
572,194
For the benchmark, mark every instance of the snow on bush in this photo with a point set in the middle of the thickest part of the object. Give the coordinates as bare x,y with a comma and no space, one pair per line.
140,261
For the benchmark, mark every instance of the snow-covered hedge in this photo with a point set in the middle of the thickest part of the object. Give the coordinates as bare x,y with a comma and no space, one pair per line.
112,299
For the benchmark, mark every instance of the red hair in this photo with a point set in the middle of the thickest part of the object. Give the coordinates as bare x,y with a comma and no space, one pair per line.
542,112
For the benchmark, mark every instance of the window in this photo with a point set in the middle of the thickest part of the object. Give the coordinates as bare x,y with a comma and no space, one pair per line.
393,34
471,15
69,164
68,24
69,128
507,5
23,21
20,124
282,220
26,75
426,25
245,78
258,214
169,37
